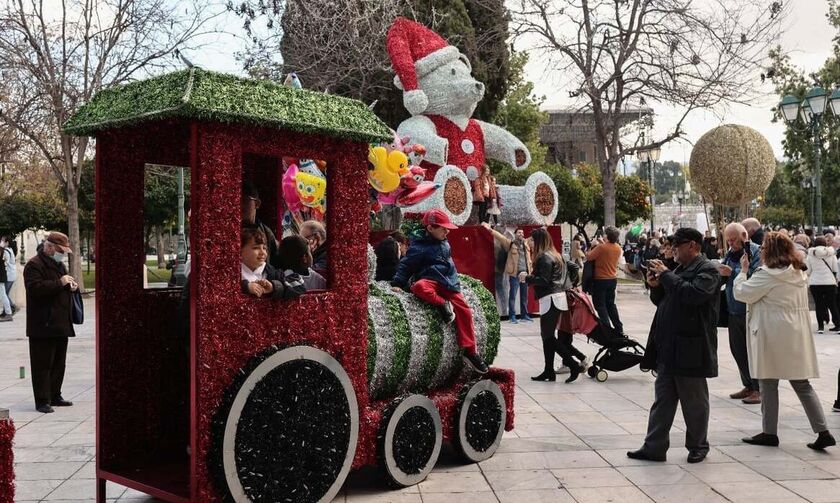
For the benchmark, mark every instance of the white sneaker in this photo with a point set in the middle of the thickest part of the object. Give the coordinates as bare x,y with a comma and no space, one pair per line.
820,332
562,370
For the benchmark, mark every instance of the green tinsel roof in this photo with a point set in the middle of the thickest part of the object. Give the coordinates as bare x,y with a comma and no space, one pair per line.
200,94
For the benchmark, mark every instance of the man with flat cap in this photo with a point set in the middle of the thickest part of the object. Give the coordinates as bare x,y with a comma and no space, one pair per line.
682,347
49,319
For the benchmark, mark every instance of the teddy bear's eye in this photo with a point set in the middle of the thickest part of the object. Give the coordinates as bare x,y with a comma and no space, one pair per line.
453,71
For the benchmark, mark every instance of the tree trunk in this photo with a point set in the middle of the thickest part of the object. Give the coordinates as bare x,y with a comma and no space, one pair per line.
608,181
73,230
161,252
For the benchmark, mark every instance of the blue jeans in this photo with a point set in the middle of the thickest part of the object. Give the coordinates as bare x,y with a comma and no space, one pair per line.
603,296
522,289
9,289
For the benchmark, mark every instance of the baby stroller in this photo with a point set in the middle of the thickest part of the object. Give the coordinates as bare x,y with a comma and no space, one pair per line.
617,353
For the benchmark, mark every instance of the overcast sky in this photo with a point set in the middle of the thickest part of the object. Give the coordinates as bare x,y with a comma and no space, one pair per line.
807,38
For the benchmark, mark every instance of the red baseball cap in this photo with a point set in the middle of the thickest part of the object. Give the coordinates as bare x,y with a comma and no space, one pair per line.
438,217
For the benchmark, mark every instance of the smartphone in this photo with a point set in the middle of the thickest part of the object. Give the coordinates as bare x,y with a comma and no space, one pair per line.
746,246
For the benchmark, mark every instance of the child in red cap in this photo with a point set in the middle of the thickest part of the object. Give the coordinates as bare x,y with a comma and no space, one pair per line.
429,263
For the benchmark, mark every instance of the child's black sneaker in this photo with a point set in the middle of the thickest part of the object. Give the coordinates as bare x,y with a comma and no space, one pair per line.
447,312
476,363
836,407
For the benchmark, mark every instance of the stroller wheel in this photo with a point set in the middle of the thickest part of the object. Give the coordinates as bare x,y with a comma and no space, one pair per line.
654,373
592,370
601,376
644,370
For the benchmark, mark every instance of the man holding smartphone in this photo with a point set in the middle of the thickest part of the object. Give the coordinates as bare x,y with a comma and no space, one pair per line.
737,239
682,347
49,319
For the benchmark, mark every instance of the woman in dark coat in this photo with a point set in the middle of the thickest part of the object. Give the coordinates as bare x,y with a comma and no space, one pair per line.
388,253
550,278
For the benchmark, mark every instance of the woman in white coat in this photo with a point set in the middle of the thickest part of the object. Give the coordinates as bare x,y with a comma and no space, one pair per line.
780,344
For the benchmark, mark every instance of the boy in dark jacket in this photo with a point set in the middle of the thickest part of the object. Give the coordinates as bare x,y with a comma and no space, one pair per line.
429,260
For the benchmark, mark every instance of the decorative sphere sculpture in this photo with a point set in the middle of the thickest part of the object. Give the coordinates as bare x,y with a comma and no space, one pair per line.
732,164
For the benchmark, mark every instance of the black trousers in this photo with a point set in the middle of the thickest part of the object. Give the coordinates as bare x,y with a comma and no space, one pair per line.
482,211
47,358
557,342
692,394
603,296
737,324
825,302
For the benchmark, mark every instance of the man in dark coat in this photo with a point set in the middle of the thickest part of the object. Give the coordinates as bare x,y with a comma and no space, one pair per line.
682,347
49,319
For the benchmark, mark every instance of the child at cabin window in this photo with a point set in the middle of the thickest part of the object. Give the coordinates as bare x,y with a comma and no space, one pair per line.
259,278
296,260
429,260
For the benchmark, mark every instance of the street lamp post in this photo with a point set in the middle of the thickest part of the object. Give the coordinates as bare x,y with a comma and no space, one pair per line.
810,112
650,156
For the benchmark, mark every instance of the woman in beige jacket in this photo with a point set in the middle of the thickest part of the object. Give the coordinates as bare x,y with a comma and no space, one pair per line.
780,344
518,261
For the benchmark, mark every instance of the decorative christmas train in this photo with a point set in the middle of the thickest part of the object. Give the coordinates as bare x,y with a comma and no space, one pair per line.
270,400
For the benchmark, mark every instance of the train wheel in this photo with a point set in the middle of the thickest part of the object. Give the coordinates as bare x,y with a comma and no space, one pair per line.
601,376
409,440
287,430
481,417
592,371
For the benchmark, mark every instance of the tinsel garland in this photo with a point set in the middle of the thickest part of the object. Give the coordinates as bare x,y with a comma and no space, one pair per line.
402,339
383,331
529,204
459,205
434,348
7,467
371,348
419,333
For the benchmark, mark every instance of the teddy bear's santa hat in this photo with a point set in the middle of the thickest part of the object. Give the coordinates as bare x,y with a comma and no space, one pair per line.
416,51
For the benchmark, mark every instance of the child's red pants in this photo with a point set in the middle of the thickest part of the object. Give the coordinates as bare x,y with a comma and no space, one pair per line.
436,294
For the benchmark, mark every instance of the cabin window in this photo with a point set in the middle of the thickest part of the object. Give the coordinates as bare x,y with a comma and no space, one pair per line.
284,201
166,191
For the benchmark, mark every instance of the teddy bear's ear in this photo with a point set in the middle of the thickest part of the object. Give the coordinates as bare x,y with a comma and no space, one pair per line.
466,61
415,101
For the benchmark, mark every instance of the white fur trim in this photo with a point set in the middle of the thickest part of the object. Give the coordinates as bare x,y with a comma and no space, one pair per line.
472,173
425,65
416,101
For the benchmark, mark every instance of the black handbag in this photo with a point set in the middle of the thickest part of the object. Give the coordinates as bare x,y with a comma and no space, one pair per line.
78,308
588,277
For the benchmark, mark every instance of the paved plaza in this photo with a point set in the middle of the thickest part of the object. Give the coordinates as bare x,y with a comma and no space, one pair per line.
568,446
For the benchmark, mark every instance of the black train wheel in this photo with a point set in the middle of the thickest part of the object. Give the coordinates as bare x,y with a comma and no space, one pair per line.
288,427
592,371
480,420
410,437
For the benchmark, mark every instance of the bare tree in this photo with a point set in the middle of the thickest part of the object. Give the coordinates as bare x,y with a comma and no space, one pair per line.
55,57
614,53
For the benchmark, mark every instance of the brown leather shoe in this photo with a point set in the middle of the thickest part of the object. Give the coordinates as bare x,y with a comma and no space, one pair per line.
744,393
753,398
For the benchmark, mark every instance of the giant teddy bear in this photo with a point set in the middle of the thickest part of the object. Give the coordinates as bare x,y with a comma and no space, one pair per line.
441,95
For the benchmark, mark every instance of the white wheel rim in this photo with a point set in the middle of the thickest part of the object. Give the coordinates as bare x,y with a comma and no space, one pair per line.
469,451
403,478
270,363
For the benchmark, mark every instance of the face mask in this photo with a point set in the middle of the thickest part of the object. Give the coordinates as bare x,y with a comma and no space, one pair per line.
59,257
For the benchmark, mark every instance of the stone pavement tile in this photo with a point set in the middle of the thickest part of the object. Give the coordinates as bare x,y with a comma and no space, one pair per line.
751,492
46,471
538,430
534,417
31,439
746,453
382,495
561,406
75,439
788,470
88,471
38,427
439,482
816,491
676,456
475,497
613,441
658,475
626,494
590,477
805,453
589,417
34,490
542,444
724,472
609,428
832,466
533,496
543,460
520,480
683,493
76,489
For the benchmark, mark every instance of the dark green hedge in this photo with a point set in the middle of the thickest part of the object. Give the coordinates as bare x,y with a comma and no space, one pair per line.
200,94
